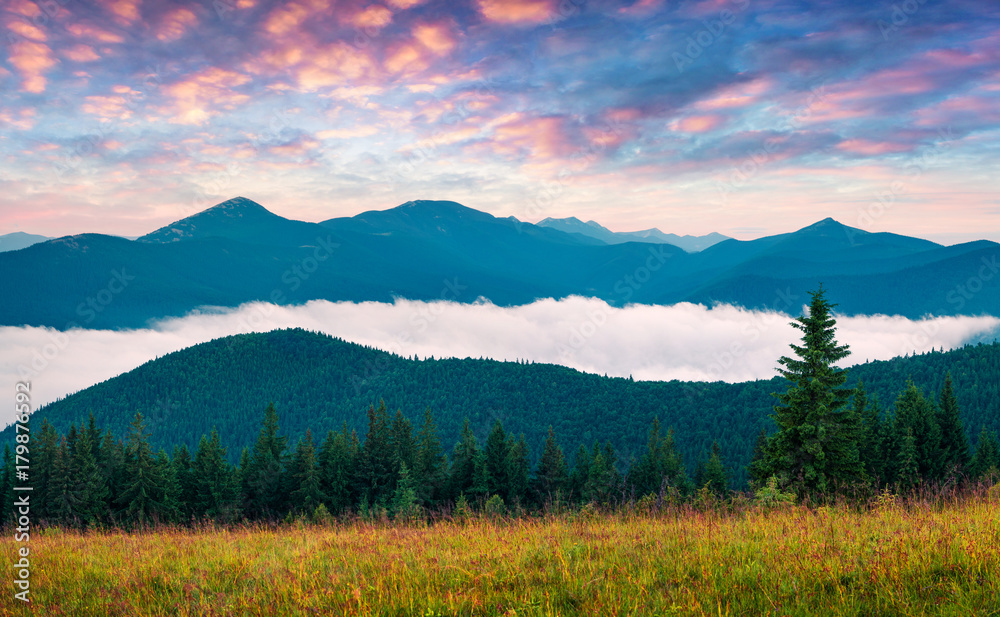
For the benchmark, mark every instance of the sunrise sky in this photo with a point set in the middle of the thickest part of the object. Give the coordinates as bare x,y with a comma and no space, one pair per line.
745,117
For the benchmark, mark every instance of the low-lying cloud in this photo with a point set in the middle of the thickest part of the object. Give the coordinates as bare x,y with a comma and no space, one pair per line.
682,341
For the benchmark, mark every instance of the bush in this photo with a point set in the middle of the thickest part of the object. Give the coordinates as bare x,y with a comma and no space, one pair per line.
495,507
770,496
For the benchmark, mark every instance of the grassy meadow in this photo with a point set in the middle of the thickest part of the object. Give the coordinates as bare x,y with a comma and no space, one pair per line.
890,558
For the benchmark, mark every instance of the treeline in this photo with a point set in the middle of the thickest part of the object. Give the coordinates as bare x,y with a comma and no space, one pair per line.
88,478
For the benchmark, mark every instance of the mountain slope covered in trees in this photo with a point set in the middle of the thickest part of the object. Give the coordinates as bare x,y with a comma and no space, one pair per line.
320,382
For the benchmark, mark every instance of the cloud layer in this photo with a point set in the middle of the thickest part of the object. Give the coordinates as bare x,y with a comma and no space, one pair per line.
683,341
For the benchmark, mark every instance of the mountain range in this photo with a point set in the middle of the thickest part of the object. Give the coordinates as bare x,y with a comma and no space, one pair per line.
19,240
320,382
238,251
593,229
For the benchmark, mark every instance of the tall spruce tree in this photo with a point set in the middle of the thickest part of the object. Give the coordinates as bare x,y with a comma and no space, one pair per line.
816,446
216,484
580,475
46,446
430,470
143,498
336,464
986,460
518,469
954,443
495,458
758,471
88,493
377,465
305,477
870,446
262,477
551,475
916,415
907,466
467,474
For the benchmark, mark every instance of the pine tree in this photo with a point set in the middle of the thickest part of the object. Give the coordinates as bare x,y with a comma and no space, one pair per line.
216,484
518,469
263,474
403,444
45,447
758,470
916,415
430,470
551,476
112,465
336,468
870,448
467,466
908,470
495,453
89,492
816,446
580,475
186,482
305,477
404,500
954,443
170,511
716,477
142,496
986,460
60,501
660,467
377,465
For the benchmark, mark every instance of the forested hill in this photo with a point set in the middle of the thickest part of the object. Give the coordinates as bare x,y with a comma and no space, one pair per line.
320,382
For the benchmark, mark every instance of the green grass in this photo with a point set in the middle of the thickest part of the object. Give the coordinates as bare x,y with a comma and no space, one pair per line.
888,559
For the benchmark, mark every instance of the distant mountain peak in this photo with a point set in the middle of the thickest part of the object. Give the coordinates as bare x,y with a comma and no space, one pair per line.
238,218
237,207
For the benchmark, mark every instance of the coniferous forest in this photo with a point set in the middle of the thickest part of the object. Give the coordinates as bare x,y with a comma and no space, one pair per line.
830,440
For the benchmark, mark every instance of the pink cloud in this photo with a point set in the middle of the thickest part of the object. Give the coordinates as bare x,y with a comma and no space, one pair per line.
698,124
32,60
175,24
517,11
867,147
81,53
22,119
374,16
26,30
125,11
204,94
543,138
435,37
738,95
85,31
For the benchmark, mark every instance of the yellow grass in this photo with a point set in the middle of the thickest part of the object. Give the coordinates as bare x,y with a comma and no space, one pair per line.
890,560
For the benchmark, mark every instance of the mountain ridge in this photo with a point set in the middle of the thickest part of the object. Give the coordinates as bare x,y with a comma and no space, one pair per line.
238,252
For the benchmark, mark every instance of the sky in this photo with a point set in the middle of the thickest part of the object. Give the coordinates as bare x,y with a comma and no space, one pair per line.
683,341
745,117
